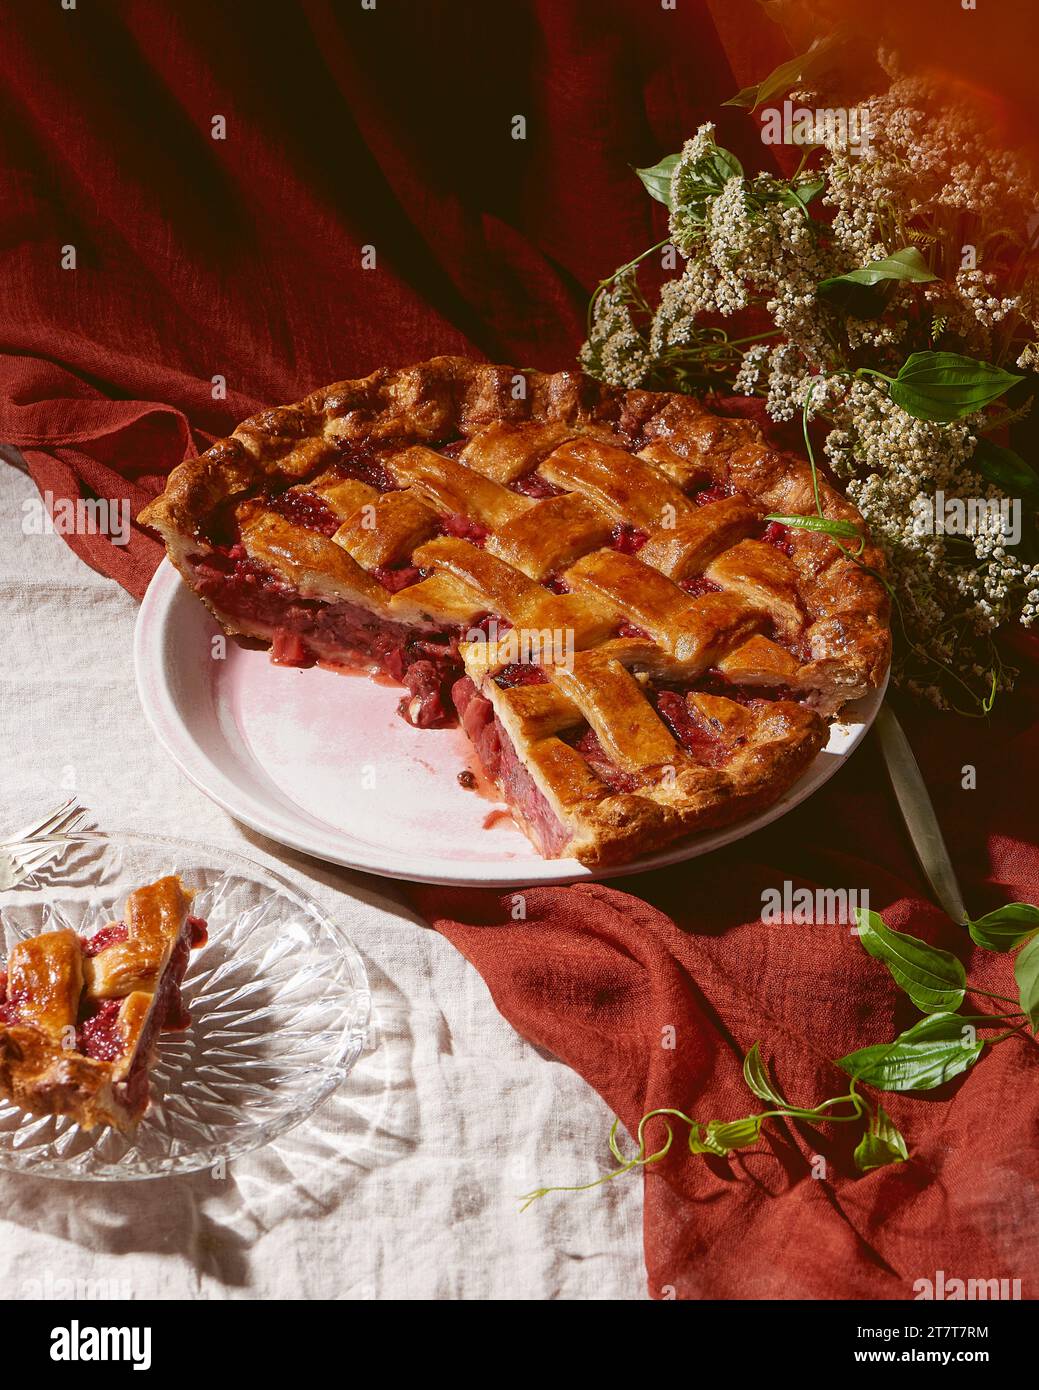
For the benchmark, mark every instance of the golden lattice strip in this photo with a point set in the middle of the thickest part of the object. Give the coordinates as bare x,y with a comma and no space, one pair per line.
624,722
574,785
45,976
712,626
640,594
450,487
504,590
386,531
441,598
314,565
538,711
686,472
724,719
341,495
759,662
625,487
765,577
551,535
696,538
505,452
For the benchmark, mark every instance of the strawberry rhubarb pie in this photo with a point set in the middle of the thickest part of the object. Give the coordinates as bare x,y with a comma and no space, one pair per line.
587,578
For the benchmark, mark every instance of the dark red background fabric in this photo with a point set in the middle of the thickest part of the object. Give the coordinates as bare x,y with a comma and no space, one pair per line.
241,258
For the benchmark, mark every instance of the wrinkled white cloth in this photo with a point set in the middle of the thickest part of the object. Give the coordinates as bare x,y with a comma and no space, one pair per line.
404,1184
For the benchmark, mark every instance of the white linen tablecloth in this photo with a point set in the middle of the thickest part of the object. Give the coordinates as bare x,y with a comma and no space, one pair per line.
402,1185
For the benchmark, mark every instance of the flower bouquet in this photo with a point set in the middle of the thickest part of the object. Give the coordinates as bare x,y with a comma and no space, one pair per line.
887,300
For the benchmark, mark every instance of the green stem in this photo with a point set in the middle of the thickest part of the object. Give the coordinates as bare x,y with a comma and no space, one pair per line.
1000,998
754,338
1002,1037
616,275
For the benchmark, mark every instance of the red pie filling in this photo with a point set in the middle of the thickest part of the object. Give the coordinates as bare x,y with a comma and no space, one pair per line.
100,1036
357,462
306,509
10,1004
715,493
464,527
520,673
114,933
707,748
588,745
394,580
699,584
198,929
501,764
713,682
533,485
775,533
303,631
627,539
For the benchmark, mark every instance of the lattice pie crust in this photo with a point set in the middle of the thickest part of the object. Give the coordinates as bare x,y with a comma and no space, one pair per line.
447,522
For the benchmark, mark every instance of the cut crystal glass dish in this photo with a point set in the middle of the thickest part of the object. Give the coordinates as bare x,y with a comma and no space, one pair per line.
278,997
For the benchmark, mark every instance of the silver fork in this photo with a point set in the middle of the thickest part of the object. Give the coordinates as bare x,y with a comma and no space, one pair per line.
29,849
18,862
52,824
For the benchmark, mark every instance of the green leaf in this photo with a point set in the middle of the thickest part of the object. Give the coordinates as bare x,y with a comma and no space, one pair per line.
1006,928
881,1144
906,264
658,179
702,1143
819,58
726,166
1026,973
757,1078
705,179
864,293
854,300
1009,471
818,523
803,193
934,980
944,386
930,1053
722,1136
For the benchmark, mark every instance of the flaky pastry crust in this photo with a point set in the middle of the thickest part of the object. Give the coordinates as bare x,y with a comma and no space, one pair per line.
806,623
53,982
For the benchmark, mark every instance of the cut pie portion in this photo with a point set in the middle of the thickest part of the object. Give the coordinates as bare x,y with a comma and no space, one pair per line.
587,577
80,1016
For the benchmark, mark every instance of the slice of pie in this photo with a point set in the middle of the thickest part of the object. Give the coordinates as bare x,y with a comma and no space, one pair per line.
80,1016
586,577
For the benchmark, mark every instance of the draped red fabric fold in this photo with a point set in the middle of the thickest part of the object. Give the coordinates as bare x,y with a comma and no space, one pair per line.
208,208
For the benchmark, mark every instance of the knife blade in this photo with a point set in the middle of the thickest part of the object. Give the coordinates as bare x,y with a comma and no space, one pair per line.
914,802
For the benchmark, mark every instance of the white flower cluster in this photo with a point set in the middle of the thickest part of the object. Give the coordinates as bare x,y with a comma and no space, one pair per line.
891,463
931,175
615,351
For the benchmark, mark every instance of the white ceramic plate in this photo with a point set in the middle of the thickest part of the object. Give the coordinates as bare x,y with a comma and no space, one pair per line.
323,763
